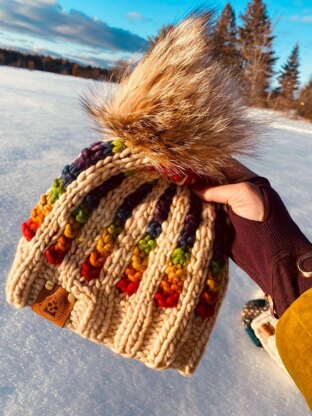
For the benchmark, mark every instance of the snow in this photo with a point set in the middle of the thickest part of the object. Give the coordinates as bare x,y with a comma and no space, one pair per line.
50,371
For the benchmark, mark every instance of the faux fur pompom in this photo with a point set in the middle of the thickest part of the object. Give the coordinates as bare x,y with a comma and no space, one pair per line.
180,106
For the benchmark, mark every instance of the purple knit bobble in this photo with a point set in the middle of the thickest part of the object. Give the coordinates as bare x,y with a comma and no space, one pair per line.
85,153
96,145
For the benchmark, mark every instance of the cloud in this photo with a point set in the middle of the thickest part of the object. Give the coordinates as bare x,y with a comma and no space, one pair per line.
137,17
301,19
47,20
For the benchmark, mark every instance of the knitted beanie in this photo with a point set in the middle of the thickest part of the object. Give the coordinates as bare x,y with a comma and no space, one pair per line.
119,250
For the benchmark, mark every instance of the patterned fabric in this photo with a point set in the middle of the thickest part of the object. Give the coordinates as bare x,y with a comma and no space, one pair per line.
136,252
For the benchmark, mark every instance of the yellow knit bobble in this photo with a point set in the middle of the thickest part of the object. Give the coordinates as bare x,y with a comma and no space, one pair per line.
107,238
43,199
170,269
181,273
49,200
37,215
213,285
136,251
47,209
109,248
70,231
100,245
136,266
171,276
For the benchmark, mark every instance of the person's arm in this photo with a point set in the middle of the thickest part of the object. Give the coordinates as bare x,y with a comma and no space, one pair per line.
266,242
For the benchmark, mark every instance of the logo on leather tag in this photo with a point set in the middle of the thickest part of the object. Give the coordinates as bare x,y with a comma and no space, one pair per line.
53,305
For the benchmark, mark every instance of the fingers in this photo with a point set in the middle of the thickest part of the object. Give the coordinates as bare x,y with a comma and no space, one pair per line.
221,194
245,198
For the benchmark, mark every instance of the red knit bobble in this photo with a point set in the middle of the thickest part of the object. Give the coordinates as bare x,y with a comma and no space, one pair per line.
122,285
29,229
126,286
54,255
132,288
204,310
90,272
172,300
160,300
164,301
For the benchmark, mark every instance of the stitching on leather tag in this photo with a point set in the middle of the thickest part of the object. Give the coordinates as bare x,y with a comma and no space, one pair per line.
53,305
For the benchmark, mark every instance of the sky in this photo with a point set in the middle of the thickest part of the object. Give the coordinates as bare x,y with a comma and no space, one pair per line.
99,32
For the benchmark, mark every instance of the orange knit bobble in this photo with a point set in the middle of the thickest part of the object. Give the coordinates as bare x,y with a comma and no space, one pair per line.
96,259
62,244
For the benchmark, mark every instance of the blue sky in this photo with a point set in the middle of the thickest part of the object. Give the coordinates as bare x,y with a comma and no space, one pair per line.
102,31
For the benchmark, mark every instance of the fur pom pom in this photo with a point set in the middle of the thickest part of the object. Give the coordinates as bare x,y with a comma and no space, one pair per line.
180,106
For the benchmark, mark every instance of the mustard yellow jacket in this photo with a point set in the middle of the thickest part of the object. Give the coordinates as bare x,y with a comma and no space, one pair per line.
294,343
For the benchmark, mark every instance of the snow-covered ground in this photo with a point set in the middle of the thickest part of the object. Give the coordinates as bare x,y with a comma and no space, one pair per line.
49,371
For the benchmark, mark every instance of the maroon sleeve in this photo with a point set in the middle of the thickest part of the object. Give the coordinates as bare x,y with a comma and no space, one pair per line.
268,250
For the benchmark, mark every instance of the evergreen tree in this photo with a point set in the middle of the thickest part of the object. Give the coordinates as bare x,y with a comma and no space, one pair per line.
225,38
289,78
305,101
255,42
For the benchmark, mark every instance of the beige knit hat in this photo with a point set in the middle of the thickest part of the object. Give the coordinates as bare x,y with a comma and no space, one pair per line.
119,250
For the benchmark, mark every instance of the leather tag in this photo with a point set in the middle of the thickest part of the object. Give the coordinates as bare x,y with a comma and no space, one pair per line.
53,305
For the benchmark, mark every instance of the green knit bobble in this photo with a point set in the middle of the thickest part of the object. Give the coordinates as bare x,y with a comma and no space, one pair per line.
111,229
115,228
56,190
147,244
179,256
215,268
81,215
118,226
118,146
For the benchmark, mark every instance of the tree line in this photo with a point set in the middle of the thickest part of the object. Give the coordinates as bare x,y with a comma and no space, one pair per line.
59,65
248,49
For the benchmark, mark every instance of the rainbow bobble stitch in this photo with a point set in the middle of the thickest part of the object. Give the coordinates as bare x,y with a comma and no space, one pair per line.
56,252
42,209
88,157
206,306
91,268
132,276
171,285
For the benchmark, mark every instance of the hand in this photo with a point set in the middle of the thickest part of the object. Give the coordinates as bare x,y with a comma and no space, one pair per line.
264,240
244,198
